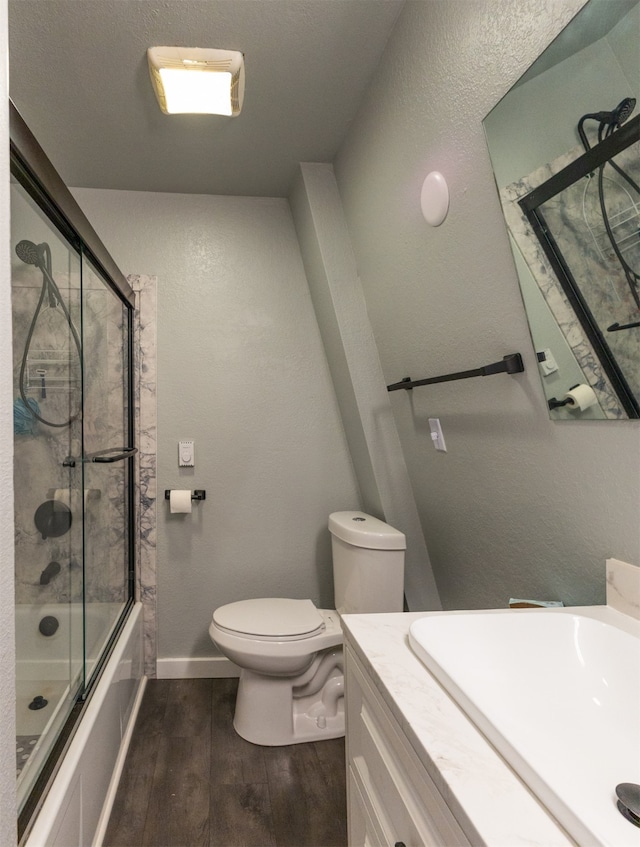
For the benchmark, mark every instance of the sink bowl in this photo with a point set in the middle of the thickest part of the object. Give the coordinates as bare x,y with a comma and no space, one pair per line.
557,692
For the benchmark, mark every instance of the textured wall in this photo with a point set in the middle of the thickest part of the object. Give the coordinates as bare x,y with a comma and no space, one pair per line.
357,376
7,641
242,370
520,505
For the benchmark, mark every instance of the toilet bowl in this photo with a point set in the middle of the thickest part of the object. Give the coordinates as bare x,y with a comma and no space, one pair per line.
291,679
291,687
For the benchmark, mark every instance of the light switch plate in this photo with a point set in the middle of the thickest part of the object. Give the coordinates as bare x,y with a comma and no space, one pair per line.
436,435
186,454
548,364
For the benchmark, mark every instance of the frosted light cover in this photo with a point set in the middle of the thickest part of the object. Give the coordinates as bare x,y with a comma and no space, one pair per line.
193,80
197,92
434,198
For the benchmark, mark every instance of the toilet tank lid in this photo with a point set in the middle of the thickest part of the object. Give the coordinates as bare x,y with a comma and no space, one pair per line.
363,530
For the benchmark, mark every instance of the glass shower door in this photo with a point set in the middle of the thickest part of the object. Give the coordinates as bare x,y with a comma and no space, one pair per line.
107,462
72,313
73,469
47,415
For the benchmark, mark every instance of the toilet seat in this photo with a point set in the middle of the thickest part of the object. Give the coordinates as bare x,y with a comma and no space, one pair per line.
270,619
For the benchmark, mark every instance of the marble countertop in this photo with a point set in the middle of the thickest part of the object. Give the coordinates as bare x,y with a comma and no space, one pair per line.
491,804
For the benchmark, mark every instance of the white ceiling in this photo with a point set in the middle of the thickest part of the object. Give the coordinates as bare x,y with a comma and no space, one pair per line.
79,77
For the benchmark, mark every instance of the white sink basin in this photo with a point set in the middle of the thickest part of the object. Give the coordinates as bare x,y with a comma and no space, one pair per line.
557,692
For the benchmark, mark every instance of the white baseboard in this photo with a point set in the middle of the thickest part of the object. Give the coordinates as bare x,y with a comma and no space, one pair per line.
215,667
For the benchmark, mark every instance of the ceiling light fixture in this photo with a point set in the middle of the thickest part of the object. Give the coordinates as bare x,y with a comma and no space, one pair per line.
197,81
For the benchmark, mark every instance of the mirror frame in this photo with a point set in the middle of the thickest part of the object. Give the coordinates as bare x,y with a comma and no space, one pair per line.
530,205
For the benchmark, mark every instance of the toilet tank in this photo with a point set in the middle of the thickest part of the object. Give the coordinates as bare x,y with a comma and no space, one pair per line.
368,563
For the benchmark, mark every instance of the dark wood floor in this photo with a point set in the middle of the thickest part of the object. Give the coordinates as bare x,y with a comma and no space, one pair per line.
190,781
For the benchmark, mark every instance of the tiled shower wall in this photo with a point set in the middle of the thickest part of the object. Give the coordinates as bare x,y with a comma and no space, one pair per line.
145,369
40,451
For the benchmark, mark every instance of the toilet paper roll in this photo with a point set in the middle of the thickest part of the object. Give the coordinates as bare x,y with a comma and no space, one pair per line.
581,397
179,501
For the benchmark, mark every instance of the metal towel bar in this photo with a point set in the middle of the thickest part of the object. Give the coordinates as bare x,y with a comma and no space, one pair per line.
510,364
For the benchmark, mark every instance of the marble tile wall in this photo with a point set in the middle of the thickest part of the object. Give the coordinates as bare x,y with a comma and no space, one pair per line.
41,477
145,369
623,587
40,449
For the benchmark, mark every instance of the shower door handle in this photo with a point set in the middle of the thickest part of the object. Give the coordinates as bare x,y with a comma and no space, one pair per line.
111,454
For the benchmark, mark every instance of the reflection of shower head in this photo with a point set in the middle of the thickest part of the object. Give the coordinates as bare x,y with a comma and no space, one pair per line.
613,119
623,110
618,116
29,253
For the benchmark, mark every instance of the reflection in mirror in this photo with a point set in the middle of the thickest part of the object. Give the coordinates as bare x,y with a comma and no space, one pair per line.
565,149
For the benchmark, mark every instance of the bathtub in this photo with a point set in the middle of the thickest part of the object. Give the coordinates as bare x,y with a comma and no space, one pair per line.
60,654
76,807
50,666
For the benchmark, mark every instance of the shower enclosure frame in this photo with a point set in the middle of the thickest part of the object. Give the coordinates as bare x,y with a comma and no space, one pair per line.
37,176
586,164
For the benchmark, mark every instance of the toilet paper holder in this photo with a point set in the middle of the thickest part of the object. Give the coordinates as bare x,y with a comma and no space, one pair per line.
580,397
198,494
554,403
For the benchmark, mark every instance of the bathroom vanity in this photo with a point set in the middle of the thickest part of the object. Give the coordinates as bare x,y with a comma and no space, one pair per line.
418,770
537,683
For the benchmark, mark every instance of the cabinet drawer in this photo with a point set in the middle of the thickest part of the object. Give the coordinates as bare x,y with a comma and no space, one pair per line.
398,793
365,828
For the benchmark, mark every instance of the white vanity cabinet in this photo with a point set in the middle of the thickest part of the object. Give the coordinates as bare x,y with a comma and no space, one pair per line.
392,801
419,771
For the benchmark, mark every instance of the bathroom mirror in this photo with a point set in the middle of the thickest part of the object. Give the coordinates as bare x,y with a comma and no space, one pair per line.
565,149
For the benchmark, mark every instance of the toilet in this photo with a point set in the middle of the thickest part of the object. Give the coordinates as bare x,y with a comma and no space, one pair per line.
291,686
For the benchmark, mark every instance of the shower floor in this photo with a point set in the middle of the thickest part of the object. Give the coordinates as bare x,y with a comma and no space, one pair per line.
24,748
31,723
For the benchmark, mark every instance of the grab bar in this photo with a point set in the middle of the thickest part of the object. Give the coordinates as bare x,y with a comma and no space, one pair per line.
510,364
111,454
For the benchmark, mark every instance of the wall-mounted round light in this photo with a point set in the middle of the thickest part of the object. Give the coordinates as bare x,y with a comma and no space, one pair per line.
434,198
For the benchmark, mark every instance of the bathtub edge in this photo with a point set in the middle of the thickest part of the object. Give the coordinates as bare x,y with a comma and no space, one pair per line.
73,809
